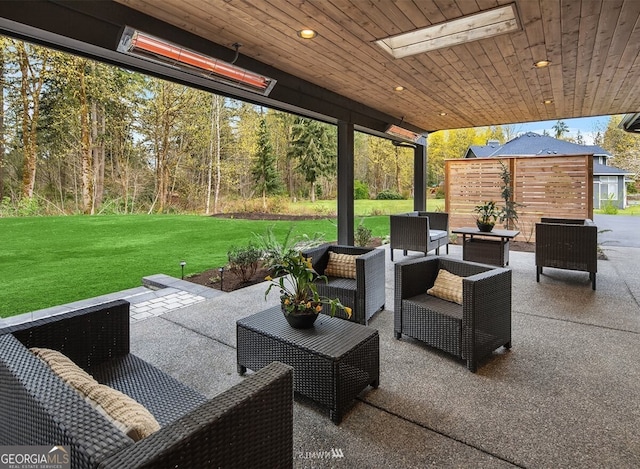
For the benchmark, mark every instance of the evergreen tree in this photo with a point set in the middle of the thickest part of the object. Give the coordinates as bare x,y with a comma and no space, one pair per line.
264,171
311,145
560,128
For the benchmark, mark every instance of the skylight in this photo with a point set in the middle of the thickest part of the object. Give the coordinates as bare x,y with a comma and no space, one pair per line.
459,31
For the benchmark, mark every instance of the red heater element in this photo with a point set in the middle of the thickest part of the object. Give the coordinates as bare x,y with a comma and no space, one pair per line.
401,132
144,45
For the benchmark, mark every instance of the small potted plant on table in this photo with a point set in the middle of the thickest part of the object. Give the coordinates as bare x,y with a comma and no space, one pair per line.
488,214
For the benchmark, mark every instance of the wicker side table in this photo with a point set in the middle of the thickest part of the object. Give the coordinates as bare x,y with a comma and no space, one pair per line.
333,361
486,247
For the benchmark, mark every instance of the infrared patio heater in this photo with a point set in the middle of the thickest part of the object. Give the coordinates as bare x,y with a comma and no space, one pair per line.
142,45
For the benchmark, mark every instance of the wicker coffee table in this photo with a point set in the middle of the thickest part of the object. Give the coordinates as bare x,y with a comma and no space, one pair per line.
333,361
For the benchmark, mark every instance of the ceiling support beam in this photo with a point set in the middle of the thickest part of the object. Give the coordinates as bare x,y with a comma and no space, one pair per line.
345,183
420,178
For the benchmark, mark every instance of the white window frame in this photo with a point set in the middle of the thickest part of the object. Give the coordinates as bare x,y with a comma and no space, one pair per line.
609,186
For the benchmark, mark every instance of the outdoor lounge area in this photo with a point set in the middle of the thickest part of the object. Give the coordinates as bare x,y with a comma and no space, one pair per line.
564,395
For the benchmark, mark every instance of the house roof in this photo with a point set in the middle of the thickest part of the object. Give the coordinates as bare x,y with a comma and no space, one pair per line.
533,144
606,170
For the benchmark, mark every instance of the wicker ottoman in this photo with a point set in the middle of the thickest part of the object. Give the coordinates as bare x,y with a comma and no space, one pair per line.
333,361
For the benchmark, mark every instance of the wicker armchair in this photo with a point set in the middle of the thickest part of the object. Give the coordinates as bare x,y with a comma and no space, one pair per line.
419,231
365,294
567,243
247,425
470,331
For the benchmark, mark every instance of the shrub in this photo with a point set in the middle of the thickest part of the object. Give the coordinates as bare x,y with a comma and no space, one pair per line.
609,208
388,195
362,235
360,190
243,261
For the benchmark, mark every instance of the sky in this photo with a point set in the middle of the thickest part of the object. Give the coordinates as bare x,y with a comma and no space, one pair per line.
588,126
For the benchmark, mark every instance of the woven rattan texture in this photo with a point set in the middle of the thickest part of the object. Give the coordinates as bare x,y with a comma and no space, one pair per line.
567,244
470,332
333,362
486,251
149,386
253,421
366,294
410,231
245,427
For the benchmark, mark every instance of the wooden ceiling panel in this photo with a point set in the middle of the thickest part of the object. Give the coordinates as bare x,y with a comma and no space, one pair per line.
593,45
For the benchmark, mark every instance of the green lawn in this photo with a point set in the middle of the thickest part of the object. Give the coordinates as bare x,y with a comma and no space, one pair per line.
47,261
364,207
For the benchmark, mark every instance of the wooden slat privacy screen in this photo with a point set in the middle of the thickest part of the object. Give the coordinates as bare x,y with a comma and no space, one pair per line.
543,186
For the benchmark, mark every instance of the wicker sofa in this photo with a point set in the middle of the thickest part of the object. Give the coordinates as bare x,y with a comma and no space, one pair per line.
567,243
419,231
470,331
248,425
365,294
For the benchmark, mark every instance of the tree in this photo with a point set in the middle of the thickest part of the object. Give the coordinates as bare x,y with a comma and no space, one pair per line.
560,129
34,67
312,147
624,146
165,109
264,171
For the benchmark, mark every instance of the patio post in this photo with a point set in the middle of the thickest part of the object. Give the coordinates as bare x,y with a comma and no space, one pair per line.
420,176
345,183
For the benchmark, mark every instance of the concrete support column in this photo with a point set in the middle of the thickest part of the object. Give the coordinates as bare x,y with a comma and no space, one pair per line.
345,183
420,177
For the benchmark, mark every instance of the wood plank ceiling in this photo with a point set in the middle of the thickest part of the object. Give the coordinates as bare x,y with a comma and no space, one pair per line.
593,46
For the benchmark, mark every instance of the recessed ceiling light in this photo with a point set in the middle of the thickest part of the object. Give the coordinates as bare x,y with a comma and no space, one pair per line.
465,29
542,63
307,33
399,88
443,113
547,101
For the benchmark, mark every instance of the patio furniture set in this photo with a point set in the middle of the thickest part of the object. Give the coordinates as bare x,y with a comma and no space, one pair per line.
37,407
330,363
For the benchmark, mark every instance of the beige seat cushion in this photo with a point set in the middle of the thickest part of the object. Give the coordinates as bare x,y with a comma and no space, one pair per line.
447,286
341,265
125,413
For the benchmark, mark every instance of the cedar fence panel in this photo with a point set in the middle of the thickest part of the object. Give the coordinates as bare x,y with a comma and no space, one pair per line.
542,186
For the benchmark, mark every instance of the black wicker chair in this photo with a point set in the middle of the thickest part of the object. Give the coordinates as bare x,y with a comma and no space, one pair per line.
567,243
249,425
470,331
365,294
419,231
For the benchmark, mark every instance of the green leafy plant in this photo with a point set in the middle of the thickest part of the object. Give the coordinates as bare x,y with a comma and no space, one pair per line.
488,213
298,291
609,207
362,236
243,261
509,213
388,195
275,251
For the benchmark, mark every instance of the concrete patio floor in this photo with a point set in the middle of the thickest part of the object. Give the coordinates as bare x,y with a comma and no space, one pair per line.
565,395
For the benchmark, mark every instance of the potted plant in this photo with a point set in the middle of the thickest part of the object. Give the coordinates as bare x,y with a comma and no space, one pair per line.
488,214
299,296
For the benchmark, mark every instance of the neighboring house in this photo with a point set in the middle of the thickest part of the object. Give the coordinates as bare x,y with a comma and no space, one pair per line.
609,183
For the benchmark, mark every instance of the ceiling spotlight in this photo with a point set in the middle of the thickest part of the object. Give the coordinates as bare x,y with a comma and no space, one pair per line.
542,63
399,88
443,113
307,33
547,101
